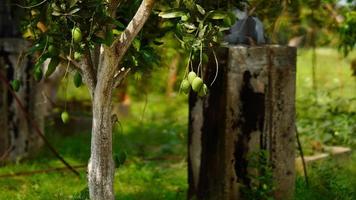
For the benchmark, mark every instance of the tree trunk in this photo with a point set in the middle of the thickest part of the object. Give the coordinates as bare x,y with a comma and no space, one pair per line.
20,139
101,165
250,109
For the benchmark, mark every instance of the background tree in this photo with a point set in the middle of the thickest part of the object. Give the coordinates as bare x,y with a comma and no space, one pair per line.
17,139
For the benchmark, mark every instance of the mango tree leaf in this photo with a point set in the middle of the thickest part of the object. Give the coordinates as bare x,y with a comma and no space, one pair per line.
136,44
218,14
42,59
75,10
72,3
52,66
56,13
115,22
189,26
202,31
109,39
55,7
175,13
200,9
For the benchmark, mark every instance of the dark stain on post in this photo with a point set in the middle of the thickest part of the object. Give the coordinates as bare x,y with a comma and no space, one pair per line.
250,120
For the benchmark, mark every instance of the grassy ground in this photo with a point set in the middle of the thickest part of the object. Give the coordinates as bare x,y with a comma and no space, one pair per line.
154,140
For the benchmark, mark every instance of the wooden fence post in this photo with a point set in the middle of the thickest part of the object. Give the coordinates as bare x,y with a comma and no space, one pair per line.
250,108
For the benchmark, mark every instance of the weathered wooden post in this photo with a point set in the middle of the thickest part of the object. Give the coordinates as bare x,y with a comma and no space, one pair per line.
250,108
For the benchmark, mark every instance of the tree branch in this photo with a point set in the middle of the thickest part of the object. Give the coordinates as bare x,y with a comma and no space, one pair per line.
120,76
88,71
72,62
85,69
96,55
121,45
112,6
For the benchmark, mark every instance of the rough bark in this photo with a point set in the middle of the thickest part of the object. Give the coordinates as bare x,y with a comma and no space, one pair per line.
4,139
249,108
101,165
20,140
108,74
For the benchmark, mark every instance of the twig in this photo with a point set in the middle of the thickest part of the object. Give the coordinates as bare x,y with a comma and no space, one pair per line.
6,153
217,69
120,76
29,7
302,156
35,126
43,171
58,169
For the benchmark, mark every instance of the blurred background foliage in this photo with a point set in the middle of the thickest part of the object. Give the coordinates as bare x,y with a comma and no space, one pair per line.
153,133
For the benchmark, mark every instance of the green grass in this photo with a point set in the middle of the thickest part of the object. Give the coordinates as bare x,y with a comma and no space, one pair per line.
329,180
333,74
154,139
326,116
155,144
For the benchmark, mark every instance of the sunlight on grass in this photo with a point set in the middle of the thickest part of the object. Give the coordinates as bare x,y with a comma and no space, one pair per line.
333,73
154,138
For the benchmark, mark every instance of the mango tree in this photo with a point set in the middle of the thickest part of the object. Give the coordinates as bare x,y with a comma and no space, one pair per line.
92,38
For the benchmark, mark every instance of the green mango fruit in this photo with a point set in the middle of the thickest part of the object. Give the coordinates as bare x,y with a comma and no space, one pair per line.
52,49
15,84
38,74
52,66
77,79
203,91
77,35
65,117
185,86
191,76
197,84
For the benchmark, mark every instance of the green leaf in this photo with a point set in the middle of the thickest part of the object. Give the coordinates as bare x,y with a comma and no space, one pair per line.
52,66
175,13
56,13
72,3
202,31
41,60
74,11
115,22
77,79
185,17
218,14
200,9
38,73
15,84
134,60
136,44
36,47
189,26
109,38
55,7
98,40
116,32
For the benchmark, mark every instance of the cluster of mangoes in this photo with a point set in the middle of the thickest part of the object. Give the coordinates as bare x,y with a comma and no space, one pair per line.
196,83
